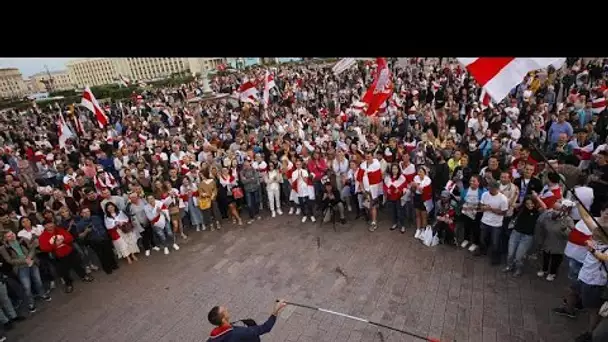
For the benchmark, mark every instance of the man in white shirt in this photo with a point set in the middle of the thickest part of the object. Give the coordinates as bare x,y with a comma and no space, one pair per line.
494,205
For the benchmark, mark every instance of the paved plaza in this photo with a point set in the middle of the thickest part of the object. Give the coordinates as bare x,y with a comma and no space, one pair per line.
391,278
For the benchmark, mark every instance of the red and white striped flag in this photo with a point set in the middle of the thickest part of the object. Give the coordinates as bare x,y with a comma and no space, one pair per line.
343,65
63,131
498,75
247,92
380,90
598,105
124,81
90,102
221,67
268,84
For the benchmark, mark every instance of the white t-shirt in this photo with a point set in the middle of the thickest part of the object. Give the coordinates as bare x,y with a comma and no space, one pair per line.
499,201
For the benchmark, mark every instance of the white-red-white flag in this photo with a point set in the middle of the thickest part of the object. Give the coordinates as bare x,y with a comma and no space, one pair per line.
486,100
124,81
381,88
598,105
63,131
343,65
248,92
90,102
498,75
268,84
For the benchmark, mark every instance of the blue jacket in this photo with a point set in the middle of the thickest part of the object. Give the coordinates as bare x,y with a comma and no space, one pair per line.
231,333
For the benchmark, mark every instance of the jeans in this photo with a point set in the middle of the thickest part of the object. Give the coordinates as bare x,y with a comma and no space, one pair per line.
165,235
398,212
490,241
253,203
305,206
519,245
7,311
66,264
30,277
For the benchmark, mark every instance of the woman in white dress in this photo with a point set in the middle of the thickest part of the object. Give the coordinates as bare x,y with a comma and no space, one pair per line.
122,233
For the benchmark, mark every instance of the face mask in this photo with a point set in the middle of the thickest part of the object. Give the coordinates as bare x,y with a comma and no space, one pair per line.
472,146
453,131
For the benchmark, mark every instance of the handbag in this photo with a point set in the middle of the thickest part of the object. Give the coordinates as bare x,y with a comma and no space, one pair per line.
237,193
204,203
127,227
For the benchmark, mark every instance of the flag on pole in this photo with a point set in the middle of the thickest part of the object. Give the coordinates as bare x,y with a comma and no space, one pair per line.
380,90
486,100
498,75
598,105
90,102
124,81
63,131
247,92
343,65
268,84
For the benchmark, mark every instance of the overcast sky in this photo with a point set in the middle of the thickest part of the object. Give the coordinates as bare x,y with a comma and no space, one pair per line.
30,66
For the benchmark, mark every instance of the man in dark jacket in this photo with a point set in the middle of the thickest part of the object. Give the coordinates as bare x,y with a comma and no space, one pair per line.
226,332
91,232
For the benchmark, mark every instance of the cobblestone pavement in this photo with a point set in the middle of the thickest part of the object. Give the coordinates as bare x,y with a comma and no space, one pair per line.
442,292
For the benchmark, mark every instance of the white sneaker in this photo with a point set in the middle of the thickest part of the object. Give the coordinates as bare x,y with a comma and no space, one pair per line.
473,247
259,217
304,219
290,211
298,211
166,250
540,274
52,284
551,277
313,219
279,211
250,221
147,253
349,208
204,228
156,248
198,228
273,214
464,244
176,247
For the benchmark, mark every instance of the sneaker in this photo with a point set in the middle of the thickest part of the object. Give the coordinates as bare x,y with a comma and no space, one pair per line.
88,279
166,251
147,252
290,211
518,272
298,211
551,277
176,247
584,337
304,219
2,338
349,208
87,269
402,230
69,289
273,214
279,212
156,248
540,274
218,226
507,269
94,268
313,219
52,285
184,236
32,308
204,228
563,312
250,222
393,227
198,228
464,244
373,227
473,248
46,298
259,217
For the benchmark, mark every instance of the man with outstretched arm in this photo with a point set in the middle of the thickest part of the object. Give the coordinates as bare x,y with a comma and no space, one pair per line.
226,332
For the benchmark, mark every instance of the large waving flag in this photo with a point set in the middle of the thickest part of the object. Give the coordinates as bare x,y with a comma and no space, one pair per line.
343,65
63,130
248,92
90,102
380,90
498,75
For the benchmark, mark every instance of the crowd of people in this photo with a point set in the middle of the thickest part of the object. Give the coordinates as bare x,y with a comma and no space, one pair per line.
507,180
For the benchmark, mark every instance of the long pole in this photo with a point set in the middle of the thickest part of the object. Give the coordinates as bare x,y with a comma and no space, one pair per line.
429,339
568,188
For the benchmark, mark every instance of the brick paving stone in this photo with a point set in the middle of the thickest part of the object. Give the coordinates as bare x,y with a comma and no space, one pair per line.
391,278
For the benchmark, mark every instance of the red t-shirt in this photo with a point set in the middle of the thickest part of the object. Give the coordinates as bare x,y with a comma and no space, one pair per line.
59,251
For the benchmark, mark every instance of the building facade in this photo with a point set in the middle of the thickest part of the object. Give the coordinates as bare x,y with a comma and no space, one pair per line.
59,80
98,71
12,84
